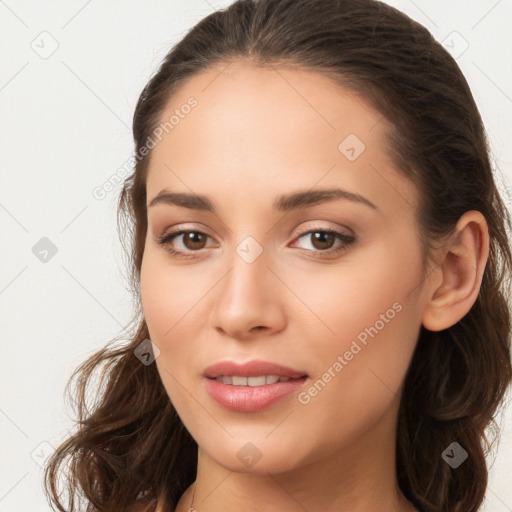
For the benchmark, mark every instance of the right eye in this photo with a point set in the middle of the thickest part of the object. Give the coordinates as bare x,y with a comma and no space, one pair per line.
195,241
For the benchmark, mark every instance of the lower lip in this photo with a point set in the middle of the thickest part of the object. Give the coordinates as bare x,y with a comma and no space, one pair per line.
251,398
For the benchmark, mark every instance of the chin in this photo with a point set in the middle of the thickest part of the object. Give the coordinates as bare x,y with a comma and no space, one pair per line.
257,456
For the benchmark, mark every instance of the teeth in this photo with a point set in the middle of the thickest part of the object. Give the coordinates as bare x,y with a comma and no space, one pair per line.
262,380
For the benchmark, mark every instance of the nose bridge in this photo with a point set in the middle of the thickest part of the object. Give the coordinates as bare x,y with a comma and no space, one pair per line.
244,299
247,281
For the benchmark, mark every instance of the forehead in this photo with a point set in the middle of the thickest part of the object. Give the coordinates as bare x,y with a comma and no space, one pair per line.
244,100
262,129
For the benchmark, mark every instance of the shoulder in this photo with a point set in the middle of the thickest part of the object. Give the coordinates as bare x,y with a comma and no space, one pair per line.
148,505
141,505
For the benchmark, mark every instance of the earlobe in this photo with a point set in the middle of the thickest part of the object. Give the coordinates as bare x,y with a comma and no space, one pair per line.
462,263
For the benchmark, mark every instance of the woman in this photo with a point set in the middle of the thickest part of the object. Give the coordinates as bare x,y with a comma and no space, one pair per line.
320,260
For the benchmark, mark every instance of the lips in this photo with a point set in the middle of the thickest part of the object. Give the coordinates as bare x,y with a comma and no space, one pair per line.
254,368
252,386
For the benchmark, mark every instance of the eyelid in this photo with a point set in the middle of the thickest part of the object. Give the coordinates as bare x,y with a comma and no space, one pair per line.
315,227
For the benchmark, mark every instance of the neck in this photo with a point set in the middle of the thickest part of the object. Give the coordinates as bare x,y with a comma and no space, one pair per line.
275,497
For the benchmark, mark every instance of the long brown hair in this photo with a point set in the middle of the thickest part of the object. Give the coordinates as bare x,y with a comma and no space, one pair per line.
131,450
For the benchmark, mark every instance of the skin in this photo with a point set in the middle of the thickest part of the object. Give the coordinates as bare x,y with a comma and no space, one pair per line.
255,134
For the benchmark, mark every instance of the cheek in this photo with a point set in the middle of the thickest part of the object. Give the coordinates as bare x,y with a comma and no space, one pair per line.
349,297
165,301
167,292
175,304
365,310
156,304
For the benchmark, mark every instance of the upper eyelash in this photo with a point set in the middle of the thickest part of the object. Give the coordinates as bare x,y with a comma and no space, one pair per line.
346,239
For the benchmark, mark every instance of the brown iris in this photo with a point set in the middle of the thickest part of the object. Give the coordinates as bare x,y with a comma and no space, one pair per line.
196,240
323,237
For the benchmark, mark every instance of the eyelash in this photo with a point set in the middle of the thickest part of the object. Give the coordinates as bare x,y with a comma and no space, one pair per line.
347,240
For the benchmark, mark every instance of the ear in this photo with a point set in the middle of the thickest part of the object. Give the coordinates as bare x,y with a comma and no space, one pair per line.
461,264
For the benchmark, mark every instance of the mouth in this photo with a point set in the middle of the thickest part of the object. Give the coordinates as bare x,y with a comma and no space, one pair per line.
252,386
262,380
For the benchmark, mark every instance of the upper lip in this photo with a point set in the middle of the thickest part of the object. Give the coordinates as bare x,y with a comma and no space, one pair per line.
254,368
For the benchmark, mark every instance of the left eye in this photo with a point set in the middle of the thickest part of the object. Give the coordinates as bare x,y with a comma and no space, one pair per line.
327,237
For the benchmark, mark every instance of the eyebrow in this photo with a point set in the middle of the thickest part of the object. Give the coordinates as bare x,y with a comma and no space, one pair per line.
284,203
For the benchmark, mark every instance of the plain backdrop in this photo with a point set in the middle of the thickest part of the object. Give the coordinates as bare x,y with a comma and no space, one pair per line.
70,75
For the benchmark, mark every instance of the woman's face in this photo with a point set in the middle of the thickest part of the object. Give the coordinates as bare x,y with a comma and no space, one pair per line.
268,283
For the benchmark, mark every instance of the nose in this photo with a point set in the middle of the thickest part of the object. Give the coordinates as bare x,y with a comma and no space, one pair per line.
249,299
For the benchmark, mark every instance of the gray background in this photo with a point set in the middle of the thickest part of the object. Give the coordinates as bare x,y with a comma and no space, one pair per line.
65,130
